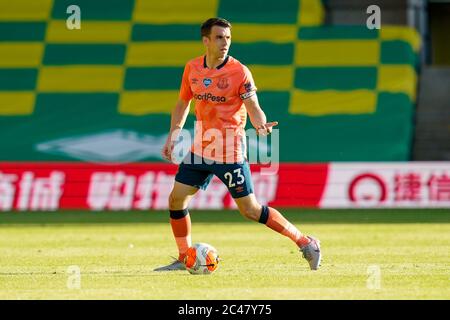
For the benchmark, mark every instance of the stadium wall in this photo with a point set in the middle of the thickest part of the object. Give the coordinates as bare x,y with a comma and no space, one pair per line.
50,186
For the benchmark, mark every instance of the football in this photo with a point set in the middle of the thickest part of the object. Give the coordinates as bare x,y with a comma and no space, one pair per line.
201,258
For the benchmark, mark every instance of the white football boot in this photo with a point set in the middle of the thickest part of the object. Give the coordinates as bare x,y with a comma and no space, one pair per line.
174,266
311,252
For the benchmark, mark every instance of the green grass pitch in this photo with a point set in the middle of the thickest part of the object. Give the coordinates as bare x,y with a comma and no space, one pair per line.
367,254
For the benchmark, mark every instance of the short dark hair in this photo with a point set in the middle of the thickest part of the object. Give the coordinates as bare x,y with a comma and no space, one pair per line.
208,24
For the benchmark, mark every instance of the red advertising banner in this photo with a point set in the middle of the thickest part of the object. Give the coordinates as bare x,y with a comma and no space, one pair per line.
144,186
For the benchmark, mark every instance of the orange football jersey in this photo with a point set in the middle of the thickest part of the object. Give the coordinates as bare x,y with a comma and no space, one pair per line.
219,108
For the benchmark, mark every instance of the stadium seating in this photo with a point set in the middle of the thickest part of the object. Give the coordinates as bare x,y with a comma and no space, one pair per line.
340,93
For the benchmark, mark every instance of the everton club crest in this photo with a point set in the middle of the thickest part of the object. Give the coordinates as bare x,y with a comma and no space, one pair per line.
223,83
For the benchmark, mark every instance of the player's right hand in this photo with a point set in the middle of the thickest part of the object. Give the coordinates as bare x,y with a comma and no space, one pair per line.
266,129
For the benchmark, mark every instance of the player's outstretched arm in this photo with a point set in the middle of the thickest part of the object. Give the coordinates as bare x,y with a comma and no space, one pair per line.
177,121
257,116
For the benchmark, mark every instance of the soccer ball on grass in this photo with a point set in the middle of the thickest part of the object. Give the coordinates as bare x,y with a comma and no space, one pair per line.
201,258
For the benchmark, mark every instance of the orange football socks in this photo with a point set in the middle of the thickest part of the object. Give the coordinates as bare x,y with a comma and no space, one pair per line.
275,221
180,221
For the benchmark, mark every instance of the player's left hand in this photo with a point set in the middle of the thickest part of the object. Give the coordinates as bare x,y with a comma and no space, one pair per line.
266,129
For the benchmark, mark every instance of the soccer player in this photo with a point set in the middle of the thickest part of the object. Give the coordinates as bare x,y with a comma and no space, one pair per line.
224,92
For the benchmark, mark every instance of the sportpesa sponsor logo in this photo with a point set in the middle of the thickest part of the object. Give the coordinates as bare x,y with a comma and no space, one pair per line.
209,96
